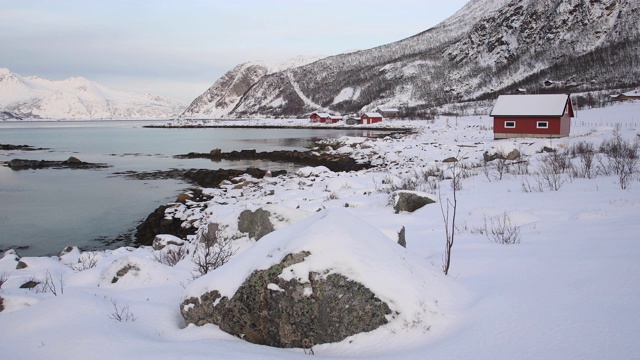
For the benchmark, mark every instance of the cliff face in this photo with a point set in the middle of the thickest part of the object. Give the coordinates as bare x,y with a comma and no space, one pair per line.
486,48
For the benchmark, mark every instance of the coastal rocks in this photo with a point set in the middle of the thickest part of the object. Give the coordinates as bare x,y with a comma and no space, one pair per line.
20,147
135,272
409,201
157,223
255,223
269,310
334,162
266,219
71,163
164,240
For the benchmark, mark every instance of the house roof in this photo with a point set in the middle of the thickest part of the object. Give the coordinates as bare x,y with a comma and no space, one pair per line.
321,114
372,114
632,93
335,117
531,105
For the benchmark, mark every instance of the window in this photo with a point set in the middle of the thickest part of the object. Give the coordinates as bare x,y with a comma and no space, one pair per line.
542,125
509,124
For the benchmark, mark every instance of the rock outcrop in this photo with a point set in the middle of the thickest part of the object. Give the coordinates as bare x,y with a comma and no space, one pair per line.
268,310
409,201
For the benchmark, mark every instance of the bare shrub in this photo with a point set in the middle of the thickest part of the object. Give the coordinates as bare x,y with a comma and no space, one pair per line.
86,261
621,158
449,213
500,230
4,277
551,170
170,255
121,313
49,285
212,250
585,152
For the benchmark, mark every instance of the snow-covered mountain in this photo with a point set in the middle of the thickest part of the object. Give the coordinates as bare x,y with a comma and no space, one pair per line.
221,98
488,47
76,98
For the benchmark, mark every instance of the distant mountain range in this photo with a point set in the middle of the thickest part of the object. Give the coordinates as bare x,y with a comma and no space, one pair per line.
76,98
489,47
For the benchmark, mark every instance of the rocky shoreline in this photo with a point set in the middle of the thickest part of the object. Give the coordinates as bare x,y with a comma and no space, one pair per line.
157,222
71,163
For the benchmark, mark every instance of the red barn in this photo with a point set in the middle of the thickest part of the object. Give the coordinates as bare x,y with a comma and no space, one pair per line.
333,119
547,115
319,117
370,118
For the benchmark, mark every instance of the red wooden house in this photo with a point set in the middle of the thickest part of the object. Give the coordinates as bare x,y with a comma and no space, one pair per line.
545,115
370,118
333,119
319,117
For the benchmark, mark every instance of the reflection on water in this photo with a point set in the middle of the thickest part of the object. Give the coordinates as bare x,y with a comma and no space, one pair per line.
52,208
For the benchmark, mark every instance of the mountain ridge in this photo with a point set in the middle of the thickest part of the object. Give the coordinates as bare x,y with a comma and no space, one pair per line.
485,49
76,98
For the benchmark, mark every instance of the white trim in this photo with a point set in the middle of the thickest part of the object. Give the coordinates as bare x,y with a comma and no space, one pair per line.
540,126
509,127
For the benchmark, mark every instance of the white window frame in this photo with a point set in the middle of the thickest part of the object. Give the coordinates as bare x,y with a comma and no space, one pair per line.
542,124
507,122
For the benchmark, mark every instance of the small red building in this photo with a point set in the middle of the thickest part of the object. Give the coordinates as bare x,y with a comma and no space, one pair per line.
544,115
319,117
333,119
370,118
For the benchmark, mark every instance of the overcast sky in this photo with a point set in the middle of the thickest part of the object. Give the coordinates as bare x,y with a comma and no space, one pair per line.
179,48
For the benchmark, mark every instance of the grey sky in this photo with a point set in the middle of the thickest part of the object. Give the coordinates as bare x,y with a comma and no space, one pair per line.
179,48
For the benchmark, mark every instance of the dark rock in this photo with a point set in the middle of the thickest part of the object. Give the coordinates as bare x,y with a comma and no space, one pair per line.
270,311
450,160
409,201
402,241
123,271
182,198
21,265
513,155
489,157
20,147
1,304
71,163
546,149
215,152
29,284
156,224
255,223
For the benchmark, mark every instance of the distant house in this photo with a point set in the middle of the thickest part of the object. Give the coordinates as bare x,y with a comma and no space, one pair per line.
547,115
319,117
352,121
388,112
629,95
370,118
332,119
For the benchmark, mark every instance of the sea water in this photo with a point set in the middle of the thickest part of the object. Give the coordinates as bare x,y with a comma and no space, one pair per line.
42,211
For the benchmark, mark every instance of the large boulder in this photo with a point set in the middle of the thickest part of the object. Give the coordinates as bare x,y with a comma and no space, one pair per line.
409,201
317,281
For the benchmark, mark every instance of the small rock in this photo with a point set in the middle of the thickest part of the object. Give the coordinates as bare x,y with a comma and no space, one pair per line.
215,152
29,284
513,154
401,238
450,160
21,265
73,160
255,223
182,198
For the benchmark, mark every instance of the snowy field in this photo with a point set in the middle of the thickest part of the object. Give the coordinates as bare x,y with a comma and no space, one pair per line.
567,290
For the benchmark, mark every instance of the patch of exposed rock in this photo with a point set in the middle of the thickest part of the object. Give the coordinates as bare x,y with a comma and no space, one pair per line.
268,310
335,163
71,163
409,201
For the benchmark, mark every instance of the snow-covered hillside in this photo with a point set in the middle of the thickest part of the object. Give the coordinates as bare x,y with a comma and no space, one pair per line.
487,48
222,97
567,289
77,98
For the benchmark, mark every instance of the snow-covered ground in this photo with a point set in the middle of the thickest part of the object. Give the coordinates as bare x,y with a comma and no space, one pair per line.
569,289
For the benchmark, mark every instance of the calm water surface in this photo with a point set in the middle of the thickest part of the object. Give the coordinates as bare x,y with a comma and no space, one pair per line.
48,209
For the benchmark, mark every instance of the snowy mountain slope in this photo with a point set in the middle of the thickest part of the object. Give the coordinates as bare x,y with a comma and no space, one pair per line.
77,98
221,98
486,48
